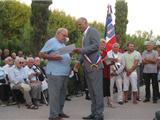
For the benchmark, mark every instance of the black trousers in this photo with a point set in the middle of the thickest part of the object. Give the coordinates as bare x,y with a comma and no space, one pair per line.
5,92
147,78
106,88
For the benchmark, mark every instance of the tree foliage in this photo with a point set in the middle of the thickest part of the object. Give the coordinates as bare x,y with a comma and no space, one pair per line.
14,25
99,27
139,39
60,19
121,12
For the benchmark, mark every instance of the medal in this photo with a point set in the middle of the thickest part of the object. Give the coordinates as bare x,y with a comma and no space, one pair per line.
94,66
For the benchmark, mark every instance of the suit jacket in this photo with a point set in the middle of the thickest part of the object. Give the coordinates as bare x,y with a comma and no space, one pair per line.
91,45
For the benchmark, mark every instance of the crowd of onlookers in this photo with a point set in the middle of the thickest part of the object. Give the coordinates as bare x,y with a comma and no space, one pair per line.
122,72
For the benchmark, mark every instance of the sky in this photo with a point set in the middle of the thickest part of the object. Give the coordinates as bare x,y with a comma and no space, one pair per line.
142,14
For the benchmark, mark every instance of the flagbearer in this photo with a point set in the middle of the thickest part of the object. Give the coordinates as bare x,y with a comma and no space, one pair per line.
92,65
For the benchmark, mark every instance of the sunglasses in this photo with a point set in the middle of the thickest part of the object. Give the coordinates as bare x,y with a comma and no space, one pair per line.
21,62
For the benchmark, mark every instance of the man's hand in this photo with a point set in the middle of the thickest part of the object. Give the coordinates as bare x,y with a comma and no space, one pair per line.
55,56
77,50
30,76
115,60
76,67
129,71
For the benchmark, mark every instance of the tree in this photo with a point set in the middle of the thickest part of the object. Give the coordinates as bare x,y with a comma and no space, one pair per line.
121,11
39,21
99,27
59,19
14,19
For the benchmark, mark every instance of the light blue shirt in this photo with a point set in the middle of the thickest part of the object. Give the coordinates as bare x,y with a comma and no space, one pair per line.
56,67
17,75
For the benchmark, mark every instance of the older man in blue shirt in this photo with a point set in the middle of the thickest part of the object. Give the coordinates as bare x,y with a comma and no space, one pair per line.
58,68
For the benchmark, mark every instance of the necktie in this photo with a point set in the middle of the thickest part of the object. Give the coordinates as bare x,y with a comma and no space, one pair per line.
83,40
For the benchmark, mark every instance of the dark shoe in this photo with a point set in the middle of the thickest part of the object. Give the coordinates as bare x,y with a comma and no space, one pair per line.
88,98
98,118
154,101
129,98
33,107
89,117
62,115
68,99
139,99
146,100
120,102
57,118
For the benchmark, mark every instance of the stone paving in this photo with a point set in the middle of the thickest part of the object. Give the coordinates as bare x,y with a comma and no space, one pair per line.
79,107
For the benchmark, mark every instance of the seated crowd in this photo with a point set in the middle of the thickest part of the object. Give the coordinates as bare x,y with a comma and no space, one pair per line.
24,75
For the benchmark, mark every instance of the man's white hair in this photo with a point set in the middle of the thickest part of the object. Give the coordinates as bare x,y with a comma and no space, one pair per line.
115,44
19,59
59,30
30,59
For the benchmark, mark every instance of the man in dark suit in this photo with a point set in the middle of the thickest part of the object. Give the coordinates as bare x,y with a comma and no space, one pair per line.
90,60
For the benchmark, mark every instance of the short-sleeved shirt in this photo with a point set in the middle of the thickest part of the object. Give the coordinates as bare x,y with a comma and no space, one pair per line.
150,68
140,57
118,55
56,67
130,58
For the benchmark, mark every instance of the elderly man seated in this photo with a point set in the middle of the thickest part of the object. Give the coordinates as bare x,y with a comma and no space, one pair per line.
5,91
18,79
9,63
32,75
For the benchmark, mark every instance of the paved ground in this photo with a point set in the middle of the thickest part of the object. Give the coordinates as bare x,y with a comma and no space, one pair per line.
79,107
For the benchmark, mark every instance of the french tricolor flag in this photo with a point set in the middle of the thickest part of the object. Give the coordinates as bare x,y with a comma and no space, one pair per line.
109,30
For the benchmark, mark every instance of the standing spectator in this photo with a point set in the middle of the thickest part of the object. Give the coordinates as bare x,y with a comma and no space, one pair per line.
149,57
106,74
139,75
93,68
116,71
158,61
58,68
158,64
130,75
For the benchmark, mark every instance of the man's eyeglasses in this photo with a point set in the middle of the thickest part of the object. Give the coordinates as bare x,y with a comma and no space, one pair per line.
64,35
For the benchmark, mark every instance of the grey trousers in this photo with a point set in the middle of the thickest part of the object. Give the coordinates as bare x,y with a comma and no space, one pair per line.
57,86
36,90
95,87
